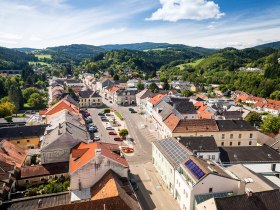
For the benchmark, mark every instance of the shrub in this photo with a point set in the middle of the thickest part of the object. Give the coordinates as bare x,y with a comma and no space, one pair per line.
107,110
119,115
9,118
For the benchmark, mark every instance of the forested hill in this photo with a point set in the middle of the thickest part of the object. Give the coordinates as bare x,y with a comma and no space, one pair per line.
156,46
13,59
231,59
147,61
275,45
71,53
25,49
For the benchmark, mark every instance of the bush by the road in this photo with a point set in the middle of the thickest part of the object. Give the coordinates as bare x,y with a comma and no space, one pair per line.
107,110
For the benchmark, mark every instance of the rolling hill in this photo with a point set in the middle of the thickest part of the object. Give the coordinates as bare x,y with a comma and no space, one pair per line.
275,45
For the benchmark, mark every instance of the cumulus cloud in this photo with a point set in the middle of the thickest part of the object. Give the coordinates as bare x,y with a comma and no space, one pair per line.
174,10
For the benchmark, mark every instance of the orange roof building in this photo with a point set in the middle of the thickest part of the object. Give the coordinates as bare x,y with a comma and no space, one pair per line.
62,104
156,99
90,161
171,122
12,154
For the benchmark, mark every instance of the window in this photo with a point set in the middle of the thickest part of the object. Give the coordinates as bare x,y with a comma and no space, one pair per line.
251,135
222,143
213,157
239,143
210,190
223,136
231,136
18,142
28,140
240,136
230,143
250,142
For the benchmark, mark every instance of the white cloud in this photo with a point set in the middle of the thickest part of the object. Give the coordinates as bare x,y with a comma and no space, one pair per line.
174,10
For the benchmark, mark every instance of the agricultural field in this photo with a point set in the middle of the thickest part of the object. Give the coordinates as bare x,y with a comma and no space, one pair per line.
40,57
192,64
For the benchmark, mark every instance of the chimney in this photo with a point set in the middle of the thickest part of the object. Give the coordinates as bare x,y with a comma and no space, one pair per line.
97,152
59,125
249,193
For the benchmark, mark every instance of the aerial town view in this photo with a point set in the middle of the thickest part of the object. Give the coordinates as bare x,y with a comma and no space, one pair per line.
139,105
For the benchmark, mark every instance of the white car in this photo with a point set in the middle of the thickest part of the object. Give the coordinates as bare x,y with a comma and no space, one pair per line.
109,128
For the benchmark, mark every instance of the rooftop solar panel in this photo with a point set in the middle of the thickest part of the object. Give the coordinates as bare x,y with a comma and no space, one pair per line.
175,152
196,171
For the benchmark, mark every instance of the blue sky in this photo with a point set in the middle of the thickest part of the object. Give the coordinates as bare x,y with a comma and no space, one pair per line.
205,23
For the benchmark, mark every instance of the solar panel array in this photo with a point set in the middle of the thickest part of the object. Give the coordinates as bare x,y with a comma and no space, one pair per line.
172,148
197,172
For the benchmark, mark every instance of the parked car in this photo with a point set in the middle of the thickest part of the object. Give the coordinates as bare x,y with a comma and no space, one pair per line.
108,115
134,184
133,111
86,114
101,113
109,128
88,120
33,112
104,120
118,139
130,109
96,138
112,133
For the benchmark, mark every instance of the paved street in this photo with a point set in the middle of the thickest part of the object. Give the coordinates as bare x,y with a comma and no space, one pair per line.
151,194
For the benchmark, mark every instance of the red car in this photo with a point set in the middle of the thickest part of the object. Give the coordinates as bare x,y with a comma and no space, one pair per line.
118,139
112,133
86,114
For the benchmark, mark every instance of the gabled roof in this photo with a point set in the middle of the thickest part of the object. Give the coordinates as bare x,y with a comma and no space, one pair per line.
206,166
205,115
233,115
202,108
201,125
171,121
62,104
43,170
88,94
12,154
144,94
183,106
248,154
266,200
199,143
114,89
164,109
234,125
22,131
156,99
83,153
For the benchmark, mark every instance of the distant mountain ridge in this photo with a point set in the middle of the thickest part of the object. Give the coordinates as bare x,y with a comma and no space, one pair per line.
275,45
25,49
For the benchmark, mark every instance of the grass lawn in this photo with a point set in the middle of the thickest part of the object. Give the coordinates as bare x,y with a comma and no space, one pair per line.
43,56
119,115
41,63
193,64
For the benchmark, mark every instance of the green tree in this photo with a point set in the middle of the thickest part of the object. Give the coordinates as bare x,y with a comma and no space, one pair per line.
107,110
116,77
6,109
15,96
271,124
254,119
26,93
165,85
140,85
275,95
154,88
186,93
123,133
35,100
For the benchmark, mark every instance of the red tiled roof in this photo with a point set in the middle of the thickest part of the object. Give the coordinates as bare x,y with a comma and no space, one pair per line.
171,122
198,104
201,125
156,99
202,108
62,104
258,104
242,98
12,154
83,153
205,115
113,89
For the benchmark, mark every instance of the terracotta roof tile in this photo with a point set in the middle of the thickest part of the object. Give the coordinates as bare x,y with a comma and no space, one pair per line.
198,104
205,115
62,104
156,99
83,153
202,108
200,125
171,122
113,89
10,153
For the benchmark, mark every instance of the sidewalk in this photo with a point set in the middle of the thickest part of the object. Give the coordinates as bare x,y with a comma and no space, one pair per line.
157,196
